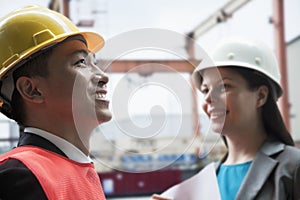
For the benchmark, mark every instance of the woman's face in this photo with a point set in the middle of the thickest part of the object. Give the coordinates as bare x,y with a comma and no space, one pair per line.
228,102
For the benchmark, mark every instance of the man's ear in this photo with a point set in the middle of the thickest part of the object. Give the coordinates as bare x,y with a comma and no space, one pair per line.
262,95
28,89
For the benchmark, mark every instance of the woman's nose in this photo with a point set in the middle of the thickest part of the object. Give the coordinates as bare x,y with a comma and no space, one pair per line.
211,96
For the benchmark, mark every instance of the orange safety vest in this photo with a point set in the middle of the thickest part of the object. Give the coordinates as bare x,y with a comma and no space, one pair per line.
60,177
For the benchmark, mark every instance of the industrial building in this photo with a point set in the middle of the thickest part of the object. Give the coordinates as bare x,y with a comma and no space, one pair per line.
159,136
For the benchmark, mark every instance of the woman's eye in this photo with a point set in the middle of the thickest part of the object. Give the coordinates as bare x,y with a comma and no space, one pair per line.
204,90
224,87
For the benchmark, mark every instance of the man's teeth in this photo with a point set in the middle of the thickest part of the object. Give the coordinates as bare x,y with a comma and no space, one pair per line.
217,115
100,96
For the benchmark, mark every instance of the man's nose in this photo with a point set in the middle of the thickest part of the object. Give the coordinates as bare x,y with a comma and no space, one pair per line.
99,77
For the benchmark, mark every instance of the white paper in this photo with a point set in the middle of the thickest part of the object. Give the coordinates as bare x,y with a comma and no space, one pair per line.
202,186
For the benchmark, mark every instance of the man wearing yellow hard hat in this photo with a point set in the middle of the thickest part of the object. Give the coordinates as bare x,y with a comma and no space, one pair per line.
48,73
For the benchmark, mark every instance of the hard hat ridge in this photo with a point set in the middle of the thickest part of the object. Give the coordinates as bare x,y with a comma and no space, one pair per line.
29,29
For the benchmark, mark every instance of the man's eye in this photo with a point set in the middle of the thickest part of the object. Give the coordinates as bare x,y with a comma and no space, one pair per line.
80,63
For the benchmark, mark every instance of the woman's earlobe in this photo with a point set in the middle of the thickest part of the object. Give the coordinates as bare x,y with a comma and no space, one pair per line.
263,93
28,90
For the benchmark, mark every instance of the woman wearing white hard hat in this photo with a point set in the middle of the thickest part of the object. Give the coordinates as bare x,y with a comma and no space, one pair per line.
240,92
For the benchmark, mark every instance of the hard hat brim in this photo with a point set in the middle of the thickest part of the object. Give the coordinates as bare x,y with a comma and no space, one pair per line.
200,68
94,43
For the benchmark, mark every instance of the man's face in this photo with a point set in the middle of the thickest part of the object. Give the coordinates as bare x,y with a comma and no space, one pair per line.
76,87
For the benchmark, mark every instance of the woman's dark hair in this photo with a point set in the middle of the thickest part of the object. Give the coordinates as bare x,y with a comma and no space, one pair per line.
271,115
35,66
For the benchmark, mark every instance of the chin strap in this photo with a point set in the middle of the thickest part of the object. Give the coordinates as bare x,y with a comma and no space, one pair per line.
5,107
7,88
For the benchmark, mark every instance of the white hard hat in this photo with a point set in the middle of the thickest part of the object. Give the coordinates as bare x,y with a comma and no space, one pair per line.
248,54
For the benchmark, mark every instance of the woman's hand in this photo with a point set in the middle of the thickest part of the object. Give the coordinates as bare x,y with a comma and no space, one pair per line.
157,197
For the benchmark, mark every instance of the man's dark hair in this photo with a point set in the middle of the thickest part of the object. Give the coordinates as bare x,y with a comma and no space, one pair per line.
36,66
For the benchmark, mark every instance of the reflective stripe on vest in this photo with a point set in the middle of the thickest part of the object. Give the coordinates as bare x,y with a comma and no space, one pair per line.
60,177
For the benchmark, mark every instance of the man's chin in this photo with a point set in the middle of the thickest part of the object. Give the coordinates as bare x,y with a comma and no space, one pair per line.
104,117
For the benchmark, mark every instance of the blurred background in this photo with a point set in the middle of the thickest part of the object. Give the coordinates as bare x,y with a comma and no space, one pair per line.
134,165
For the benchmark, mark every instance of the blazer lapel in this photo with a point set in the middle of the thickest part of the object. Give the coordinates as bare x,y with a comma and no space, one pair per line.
260,169
258,173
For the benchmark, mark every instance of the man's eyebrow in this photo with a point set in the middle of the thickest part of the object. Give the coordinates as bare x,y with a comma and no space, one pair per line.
80,51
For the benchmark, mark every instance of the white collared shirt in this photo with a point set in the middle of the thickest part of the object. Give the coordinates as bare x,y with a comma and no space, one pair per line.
71,151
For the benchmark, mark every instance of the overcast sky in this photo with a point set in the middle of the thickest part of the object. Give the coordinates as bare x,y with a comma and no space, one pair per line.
180,15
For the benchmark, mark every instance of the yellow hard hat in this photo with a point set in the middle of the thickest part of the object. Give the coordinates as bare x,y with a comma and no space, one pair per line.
32,28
